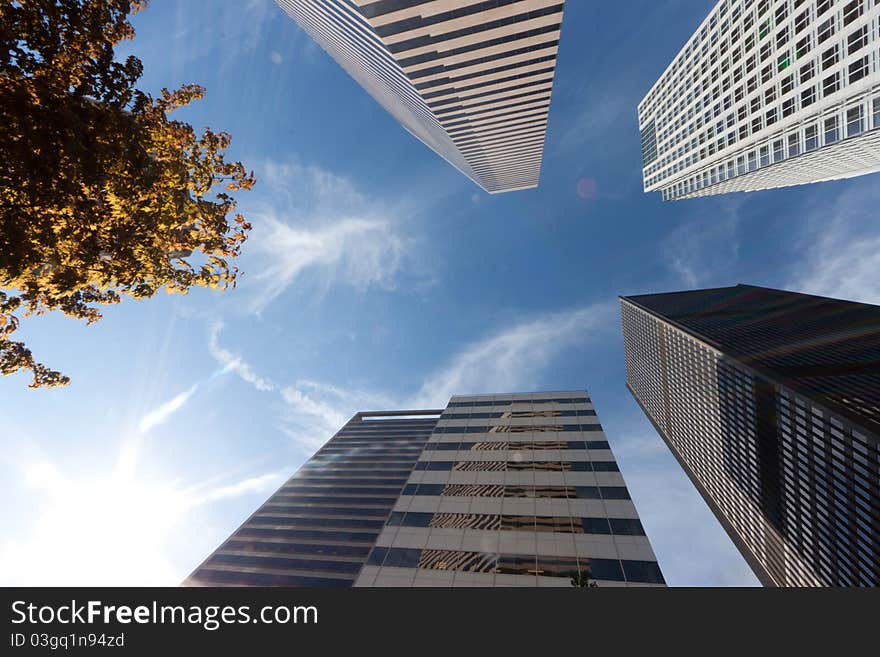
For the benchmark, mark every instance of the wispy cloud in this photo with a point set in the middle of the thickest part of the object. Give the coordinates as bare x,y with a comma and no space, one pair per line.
316,226
260,484
189,38
164,411
703,251
515,357
841,245
233,363
315,411
684,533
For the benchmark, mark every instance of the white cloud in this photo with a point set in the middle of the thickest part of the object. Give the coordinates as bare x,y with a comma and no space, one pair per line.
358,251
164,411
316,411
702,252
515,357
232,363
841,246
318,225
261,484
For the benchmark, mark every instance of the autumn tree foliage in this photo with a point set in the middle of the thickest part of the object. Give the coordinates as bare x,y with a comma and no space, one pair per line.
102,195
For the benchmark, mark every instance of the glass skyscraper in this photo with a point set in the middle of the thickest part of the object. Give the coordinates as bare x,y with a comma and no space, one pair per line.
770,401
766,93
471,79
495,490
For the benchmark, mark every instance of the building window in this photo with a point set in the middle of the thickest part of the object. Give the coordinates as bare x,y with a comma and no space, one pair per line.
778,150
855,123
807,72
783,61
858,69
830,57
811,138
852,11
832,132
830,84
826,29
794,145
808,96
857,40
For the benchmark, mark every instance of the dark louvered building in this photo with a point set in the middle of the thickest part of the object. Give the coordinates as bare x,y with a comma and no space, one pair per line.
497,490
770,400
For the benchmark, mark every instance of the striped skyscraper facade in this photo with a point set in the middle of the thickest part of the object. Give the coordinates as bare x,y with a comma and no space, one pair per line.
470,79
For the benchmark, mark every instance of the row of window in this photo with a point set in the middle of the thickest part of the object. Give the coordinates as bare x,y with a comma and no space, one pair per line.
354,457
516,445
516,414
337,490
510,402
325,536
802,139
357,459
309,520
236,544
323,479
518,466
377,445
497,522
478,562
332,499
747,116
506,490
350,470
303,508
555,428
210,576
739,127
287,563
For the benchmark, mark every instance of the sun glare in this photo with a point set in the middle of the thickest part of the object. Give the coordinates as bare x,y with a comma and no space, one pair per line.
96,531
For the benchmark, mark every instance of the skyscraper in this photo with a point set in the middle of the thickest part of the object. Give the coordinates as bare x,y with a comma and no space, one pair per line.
770,401
495,490
470,79
766,93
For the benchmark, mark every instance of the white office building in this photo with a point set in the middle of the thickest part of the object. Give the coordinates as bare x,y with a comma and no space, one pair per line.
469,78
766,93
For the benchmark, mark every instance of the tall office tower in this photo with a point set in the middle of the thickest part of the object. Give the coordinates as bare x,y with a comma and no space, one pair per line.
770,401
496,490
766,93
471,79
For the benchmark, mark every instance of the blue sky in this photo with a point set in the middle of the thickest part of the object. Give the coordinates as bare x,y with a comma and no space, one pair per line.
379,277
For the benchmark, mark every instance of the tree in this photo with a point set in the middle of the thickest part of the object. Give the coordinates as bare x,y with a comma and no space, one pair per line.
582,580
101,194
